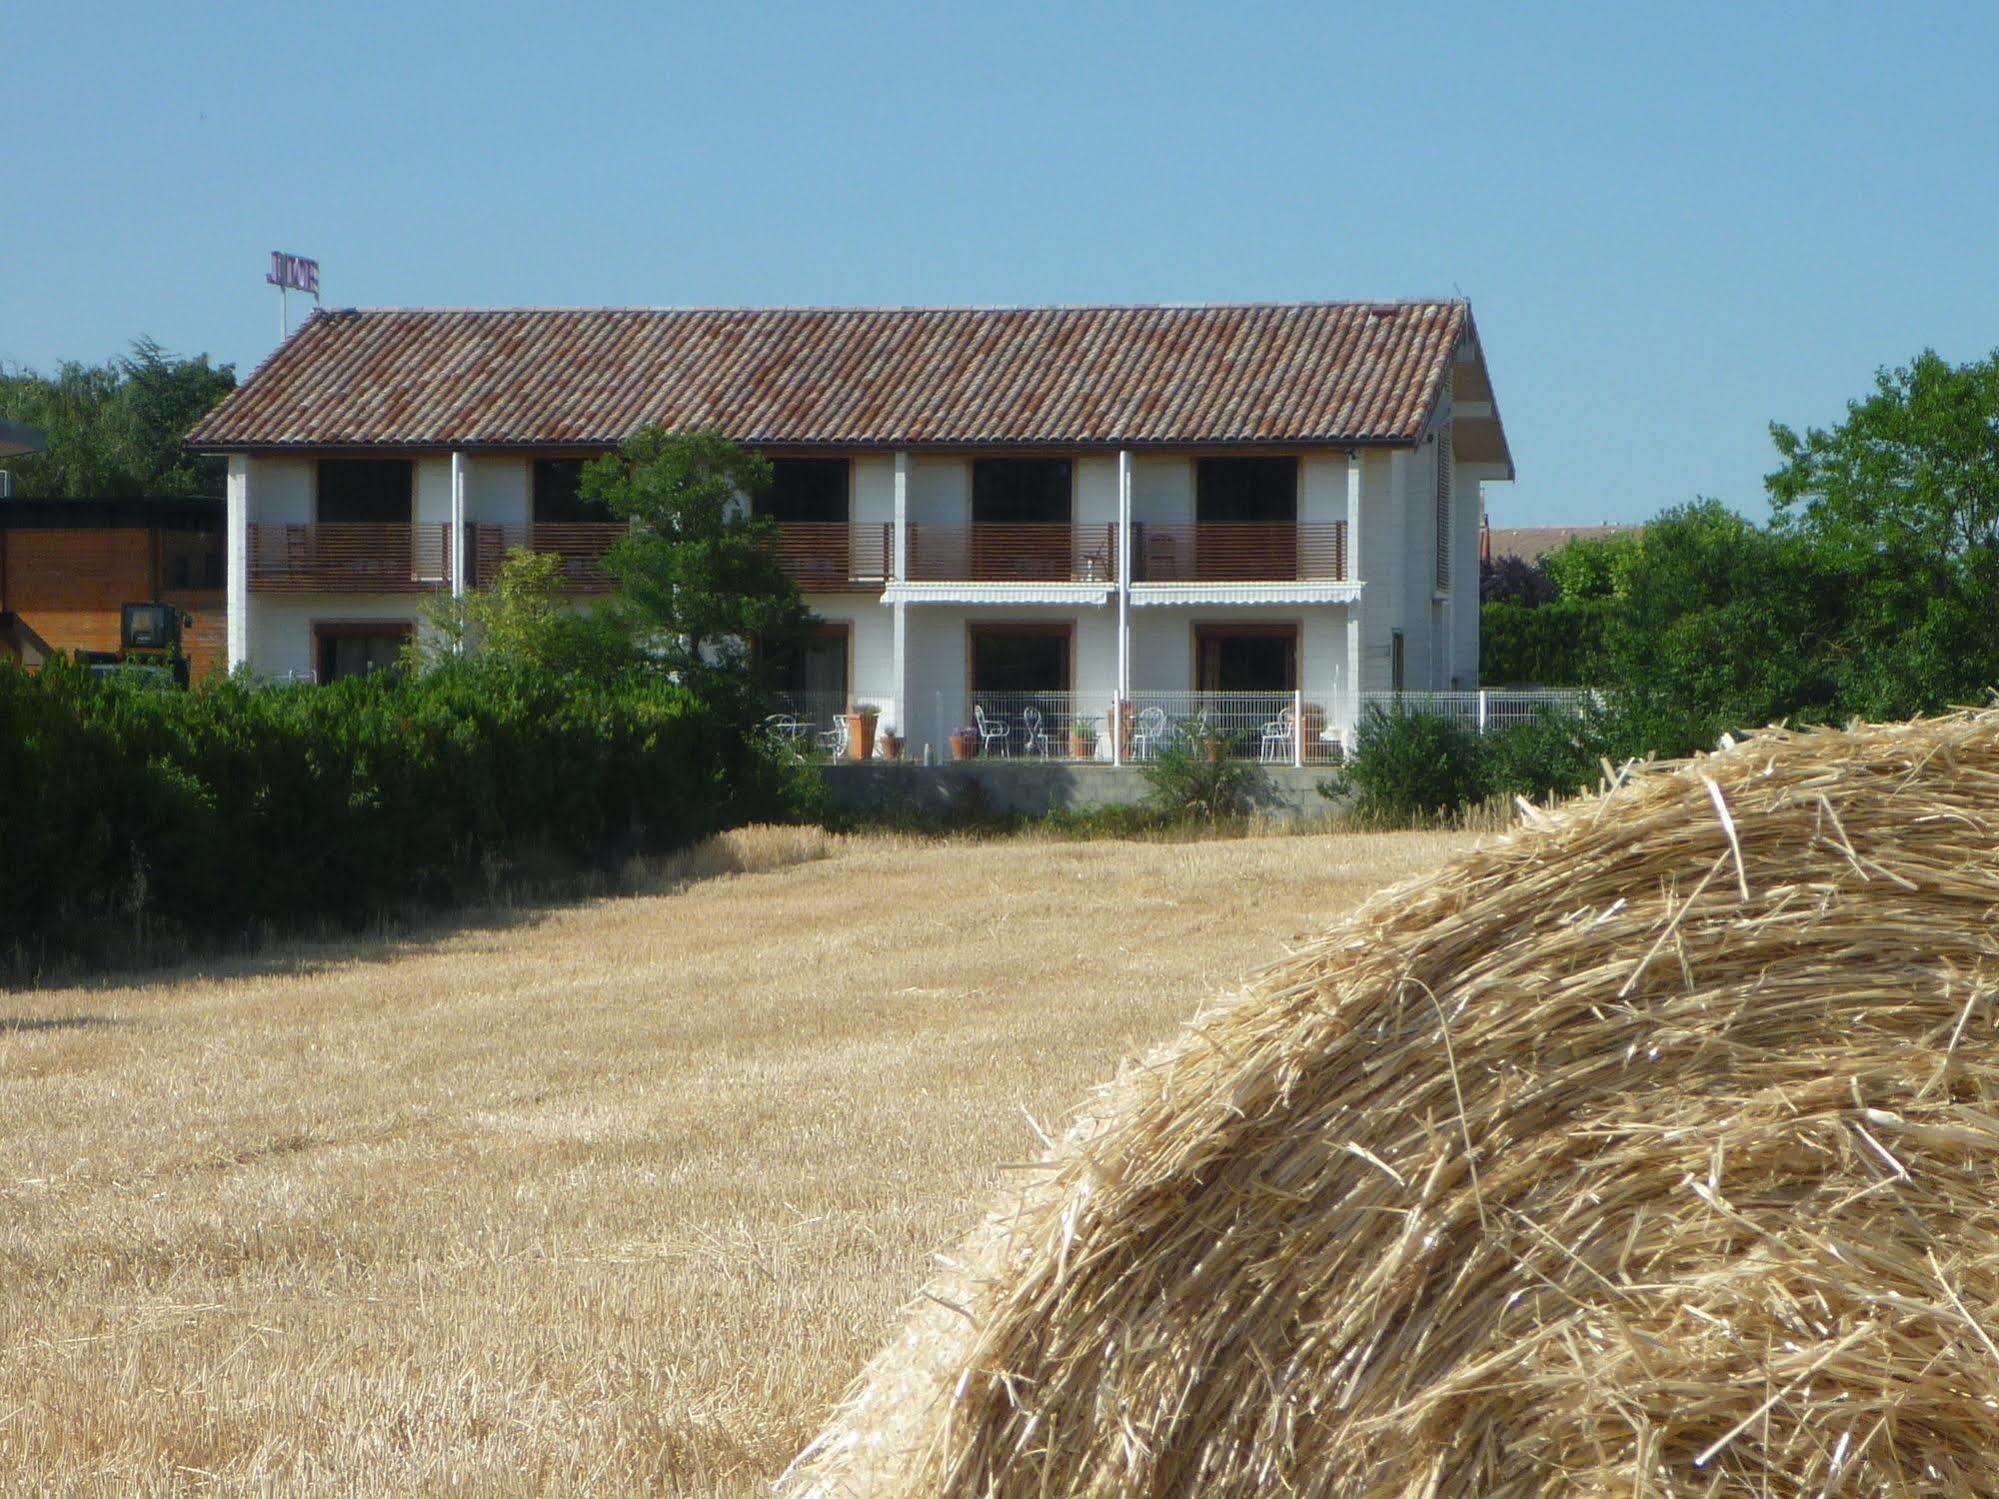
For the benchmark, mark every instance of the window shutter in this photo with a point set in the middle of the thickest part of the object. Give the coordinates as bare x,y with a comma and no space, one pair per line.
1444,463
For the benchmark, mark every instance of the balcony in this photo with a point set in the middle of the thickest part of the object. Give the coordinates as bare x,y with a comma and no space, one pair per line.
1018,553
348,558
1240,552
836,556
580,546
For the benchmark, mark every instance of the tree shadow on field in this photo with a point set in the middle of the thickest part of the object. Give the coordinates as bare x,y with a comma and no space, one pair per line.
522,897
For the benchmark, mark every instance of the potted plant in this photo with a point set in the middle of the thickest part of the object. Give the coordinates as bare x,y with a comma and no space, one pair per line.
964,742
861,731
1082,741
1216,747
891,744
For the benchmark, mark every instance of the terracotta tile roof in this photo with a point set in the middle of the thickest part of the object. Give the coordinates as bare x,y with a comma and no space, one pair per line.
1531,543
1353,372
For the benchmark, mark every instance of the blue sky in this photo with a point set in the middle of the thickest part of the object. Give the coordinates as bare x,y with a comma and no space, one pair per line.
1675,223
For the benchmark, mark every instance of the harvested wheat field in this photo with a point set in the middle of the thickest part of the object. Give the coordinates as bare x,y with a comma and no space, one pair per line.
1654,1150
612,1198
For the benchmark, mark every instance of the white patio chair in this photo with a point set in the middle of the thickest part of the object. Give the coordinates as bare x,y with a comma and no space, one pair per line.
992,731
1031,731
783,727
834,740
1149,733
1277,737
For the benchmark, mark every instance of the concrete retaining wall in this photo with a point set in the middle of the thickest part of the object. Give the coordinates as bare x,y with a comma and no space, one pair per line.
1032,789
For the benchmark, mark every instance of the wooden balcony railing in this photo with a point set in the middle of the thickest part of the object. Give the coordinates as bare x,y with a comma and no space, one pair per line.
580,545
1241,551
1022,553
348,558
836,556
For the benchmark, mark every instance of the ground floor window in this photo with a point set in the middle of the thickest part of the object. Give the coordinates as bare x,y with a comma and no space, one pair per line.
1009,658
1246,658
354,650
815,665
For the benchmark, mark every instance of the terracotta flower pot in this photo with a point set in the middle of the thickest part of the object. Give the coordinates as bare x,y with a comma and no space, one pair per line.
964,744
861,735
891,746
1082,746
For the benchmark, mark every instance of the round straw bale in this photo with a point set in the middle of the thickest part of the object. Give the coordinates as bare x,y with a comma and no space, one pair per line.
1653,1149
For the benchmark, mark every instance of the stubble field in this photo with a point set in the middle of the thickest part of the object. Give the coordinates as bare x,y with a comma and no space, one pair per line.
612,1197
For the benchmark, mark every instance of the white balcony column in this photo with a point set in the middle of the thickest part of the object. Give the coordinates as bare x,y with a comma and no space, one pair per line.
1124,474
237,562
458,525
898,570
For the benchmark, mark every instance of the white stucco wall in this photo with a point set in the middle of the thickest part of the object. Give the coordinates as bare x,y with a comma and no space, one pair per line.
1094,480
280,491
281,626
498,490
1162,489
940,491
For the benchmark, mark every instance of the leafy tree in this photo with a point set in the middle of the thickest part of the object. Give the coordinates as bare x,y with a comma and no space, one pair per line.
115,430
1722,626
699,571
1901,503
1593,567
1510,579
524,623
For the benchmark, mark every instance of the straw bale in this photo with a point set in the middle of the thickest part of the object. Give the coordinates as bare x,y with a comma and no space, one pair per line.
1653,1149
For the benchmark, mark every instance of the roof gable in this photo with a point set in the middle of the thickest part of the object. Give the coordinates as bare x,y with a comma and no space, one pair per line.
1309,373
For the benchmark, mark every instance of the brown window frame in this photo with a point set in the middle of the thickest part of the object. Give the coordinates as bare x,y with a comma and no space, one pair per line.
1263,629
352,629
1044,628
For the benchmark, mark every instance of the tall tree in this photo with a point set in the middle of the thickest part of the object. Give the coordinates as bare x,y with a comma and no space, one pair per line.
1901,502
114,430
699,569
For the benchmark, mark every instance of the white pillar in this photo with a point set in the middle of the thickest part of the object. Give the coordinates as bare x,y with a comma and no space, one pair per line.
1353,671
458,525
237,561
1124,472
1297,727
898,570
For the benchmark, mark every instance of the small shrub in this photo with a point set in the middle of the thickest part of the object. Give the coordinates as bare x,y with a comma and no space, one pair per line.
1556,753
1184,780
1409,767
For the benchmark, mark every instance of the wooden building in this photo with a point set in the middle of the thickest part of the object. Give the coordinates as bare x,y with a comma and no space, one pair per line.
68,566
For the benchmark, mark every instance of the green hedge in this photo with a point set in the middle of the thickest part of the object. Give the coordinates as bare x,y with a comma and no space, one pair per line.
237,804
1553,645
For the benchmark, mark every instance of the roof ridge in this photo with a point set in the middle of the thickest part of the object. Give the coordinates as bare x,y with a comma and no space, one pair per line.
858,309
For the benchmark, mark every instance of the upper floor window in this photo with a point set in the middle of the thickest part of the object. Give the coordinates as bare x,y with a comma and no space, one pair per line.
365,491
558,494
1246,489
1013,491
805,489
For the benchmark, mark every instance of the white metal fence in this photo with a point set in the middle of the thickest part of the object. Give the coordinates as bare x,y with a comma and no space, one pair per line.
1268,728
1485,711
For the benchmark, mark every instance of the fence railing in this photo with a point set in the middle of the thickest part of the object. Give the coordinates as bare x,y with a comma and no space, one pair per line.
348,558
1024,553
1267,728
836,556
1245,551
580,545
1487,711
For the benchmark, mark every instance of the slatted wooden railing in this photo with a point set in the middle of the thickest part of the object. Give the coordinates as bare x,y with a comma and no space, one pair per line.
836,556
580,545
1019,553
1241,551
348,558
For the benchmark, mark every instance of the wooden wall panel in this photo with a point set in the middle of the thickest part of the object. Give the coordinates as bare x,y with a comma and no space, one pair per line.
68,585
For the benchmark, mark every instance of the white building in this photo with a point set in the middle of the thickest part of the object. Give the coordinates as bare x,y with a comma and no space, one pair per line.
996,508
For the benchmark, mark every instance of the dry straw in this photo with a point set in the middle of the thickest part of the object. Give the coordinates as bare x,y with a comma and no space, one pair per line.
1651,1150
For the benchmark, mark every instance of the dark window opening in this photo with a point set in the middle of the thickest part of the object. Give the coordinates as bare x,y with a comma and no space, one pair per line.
812,490
814,665
357,650
1246,489
1020,658
558,495
1020,491
1236,659
365,491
